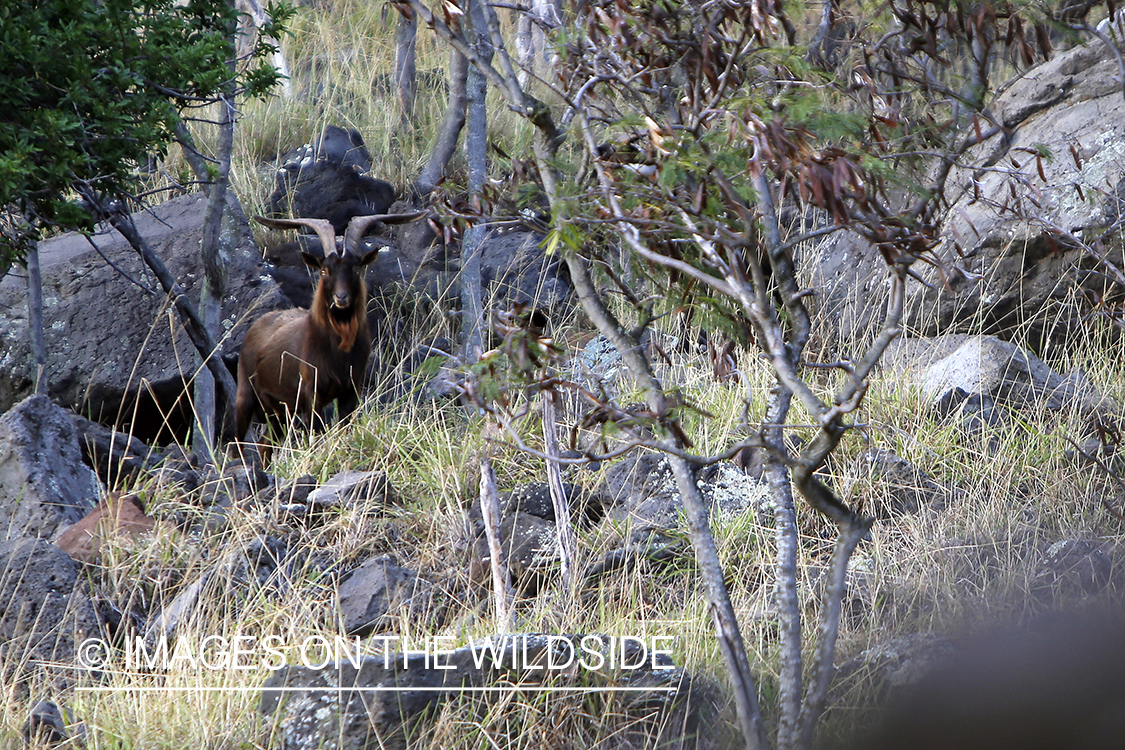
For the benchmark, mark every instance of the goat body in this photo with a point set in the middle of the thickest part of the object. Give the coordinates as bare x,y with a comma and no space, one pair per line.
294,363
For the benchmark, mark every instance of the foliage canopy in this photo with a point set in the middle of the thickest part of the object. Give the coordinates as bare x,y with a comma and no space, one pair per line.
93,88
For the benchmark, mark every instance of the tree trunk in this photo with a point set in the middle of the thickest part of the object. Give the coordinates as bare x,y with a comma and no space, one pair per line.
490,510
567,544
405,72
531,39
446,144
214,282
35,317
476,154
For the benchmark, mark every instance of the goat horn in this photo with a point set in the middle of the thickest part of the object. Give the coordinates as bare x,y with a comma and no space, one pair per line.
358,226
323,228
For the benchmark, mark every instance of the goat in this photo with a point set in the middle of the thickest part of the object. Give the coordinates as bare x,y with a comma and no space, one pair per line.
295,362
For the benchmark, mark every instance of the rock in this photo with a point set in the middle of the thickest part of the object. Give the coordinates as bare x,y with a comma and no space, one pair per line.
49,725
292,498
897,663
327,181
378,591
640,546
1001,371
178,611
237,485
111,454
531,552
262,565
178,469
1022,277
597,361
397,695
44,486
113,346
976,411
515,269
45,615
298,490
368,490
641,489
898,487
528,533
264,562
117,518
534,498
1073,566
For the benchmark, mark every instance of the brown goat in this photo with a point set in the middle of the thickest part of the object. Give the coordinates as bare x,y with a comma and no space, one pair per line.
294,363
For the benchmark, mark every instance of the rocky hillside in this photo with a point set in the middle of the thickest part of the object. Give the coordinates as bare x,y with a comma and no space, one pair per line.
344,594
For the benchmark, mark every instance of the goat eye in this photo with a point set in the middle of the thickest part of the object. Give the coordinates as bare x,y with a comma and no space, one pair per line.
324,272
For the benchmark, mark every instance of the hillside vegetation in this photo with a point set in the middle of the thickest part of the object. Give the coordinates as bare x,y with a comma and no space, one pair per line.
1010,491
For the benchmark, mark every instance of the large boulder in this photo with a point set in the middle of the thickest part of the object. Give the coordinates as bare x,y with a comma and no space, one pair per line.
44,613
44,485
1022,274
388,701
114,343
328,180
949,369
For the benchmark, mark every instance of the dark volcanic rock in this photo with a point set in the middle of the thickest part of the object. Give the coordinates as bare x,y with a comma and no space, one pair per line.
44,486
110,453
327,181
112,341
380,589
397,695
44,616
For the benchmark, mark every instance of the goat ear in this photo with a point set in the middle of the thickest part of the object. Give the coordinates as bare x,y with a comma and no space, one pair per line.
369,257
312,260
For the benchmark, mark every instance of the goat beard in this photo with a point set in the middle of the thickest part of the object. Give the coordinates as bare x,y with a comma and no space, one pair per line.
346,326
345,322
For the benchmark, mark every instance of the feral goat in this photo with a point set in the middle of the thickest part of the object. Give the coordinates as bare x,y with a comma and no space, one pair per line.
295,362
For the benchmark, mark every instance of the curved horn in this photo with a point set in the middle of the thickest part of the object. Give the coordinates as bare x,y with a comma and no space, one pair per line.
359,225
323,228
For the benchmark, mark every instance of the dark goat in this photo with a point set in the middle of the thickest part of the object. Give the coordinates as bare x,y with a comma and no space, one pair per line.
295,362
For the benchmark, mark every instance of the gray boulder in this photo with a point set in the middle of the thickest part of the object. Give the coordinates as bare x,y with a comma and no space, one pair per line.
113,342
1021,274
44,485
642,490
44,615
946,366
378,591
396,696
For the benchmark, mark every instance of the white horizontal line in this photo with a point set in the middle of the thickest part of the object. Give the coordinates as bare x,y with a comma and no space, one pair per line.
237,689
